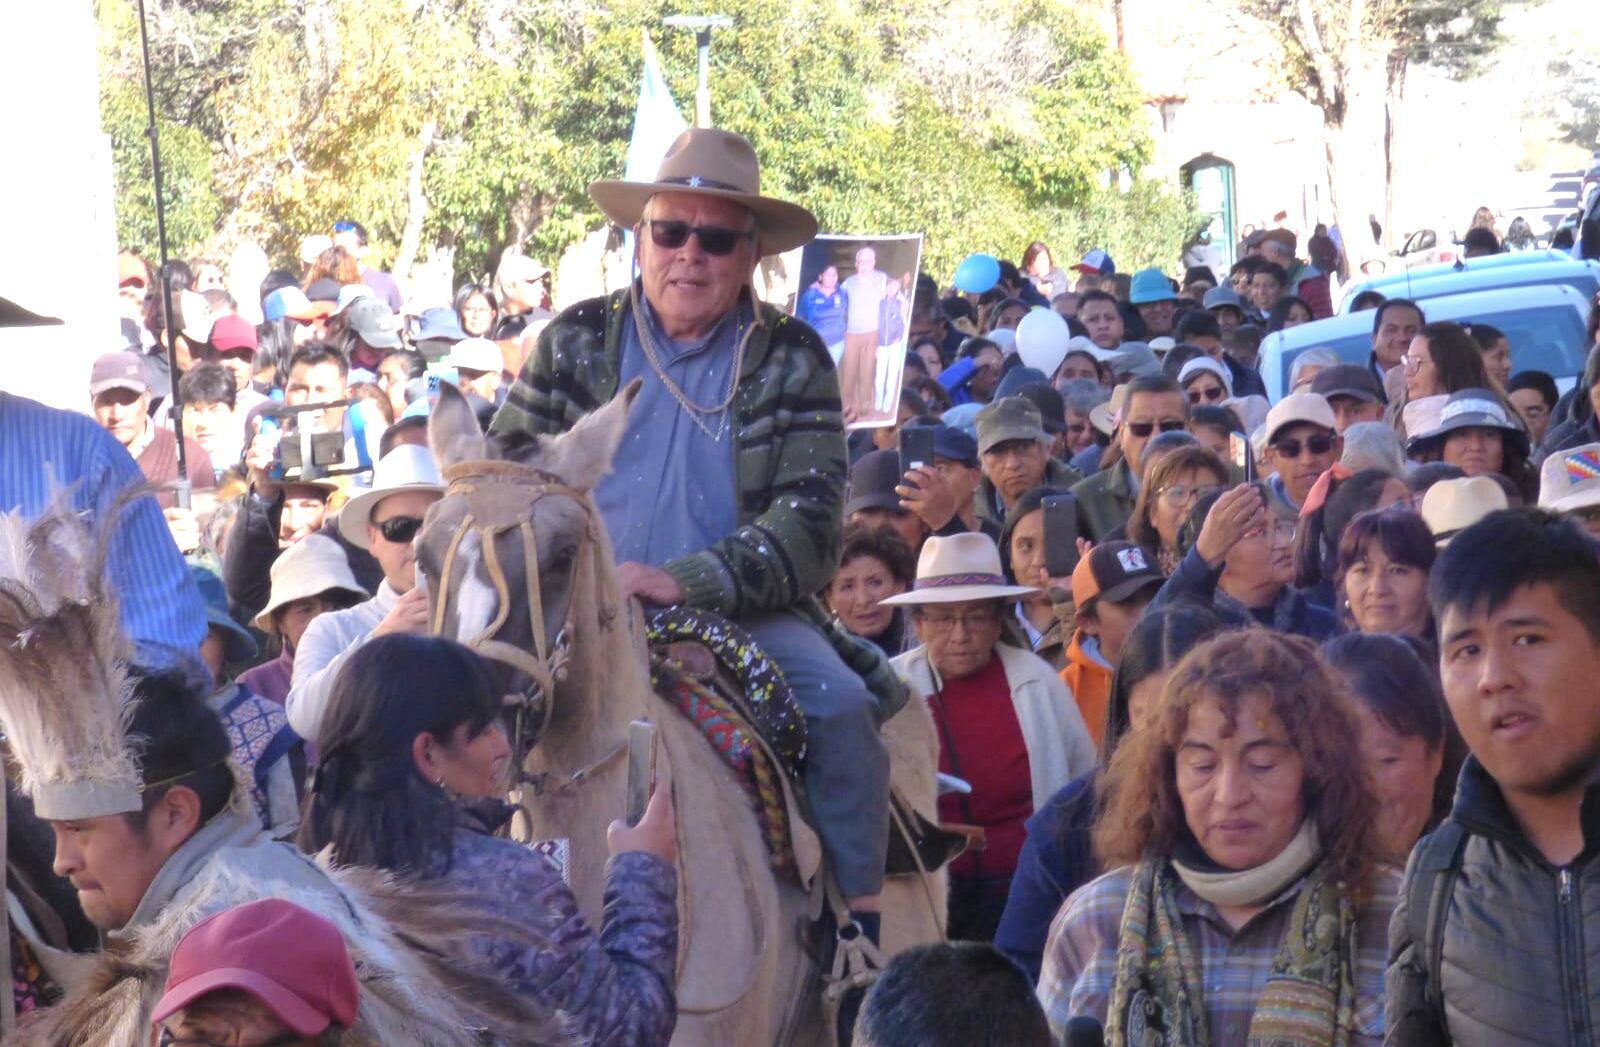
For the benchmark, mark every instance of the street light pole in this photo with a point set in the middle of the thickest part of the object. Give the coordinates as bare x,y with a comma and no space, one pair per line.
702,26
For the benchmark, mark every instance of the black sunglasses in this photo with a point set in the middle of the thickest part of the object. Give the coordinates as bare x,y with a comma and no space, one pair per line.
1210,392
714,239
400,529
1290,448
1144,429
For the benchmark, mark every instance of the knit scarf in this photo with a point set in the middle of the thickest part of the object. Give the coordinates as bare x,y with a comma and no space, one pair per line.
1309,996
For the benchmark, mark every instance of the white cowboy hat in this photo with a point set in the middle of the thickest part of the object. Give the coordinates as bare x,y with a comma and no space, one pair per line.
960,567
310,567
408,467
708,162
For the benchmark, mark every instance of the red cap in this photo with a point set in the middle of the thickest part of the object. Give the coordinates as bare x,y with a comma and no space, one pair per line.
291,960
232,332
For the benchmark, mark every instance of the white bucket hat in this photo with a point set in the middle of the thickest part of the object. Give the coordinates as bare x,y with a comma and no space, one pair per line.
408,467
1571,479
1452,506
960,567
310,567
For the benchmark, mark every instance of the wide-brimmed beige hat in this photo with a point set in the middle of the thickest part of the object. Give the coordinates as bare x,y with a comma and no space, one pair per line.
310,567
1452,506
960,567
409,467
707,162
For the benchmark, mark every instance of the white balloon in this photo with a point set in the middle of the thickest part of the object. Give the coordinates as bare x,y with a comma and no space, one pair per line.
1042,338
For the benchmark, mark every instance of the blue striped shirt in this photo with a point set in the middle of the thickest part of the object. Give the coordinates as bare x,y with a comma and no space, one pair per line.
1080,961
47,453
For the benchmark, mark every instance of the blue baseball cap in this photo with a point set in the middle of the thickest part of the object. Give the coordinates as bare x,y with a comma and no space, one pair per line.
954,445
439,324
1096,261
1150,285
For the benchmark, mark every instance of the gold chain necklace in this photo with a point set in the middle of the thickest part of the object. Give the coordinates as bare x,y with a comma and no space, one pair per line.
647,341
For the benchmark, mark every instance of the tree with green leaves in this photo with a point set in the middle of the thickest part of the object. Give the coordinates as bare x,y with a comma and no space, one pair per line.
473,126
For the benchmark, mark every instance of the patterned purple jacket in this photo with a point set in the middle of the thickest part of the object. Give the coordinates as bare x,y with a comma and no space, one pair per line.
616,987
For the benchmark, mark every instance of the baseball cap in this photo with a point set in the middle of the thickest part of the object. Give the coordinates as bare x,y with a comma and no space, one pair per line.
1222,296
121,370
439,324
350,294
1113,571
1096,261
290,959
476,354
289,302
1052,409
374,323
1017,379
313,245
1295,408
1348,380
1009,418
232,332
954,444
872,482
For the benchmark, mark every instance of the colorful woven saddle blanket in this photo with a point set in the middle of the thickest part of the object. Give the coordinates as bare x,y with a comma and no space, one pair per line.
737,698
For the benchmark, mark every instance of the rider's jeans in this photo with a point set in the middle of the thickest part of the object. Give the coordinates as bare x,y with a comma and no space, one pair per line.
847,764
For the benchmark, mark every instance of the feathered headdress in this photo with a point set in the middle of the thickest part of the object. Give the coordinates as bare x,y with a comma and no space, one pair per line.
64,680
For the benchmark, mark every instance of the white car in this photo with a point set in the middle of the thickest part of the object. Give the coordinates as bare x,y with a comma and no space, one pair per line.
1547,326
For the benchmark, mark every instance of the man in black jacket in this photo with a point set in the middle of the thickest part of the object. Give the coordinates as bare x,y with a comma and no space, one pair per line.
1492,940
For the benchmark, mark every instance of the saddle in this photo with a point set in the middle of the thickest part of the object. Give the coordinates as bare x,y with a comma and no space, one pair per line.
737,697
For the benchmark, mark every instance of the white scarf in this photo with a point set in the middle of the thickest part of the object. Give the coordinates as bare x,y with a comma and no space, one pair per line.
1262,883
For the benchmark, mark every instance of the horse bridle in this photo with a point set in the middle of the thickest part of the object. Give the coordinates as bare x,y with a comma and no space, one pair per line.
500,498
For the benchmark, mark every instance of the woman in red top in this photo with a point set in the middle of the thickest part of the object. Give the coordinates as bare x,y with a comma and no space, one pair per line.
1008,727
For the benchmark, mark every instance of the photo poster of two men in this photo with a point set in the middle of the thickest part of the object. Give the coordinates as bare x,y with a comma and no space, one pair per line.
856,292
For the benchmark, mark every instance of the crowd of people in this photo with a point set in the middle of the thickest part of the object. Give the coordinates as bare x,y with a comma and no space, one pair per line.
1267,722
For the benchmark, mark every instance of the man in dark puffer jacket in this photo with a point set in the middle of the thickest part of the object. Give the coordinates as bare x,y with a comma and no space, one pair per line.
1499,920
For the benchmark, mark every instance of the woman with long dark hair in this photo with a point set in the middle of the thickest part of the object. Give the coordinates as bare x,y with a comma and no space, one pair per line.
1412,757
413,768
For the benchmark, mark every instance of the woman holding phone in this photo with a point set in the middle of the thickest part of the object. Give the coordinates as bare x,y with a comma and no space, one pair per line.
412,776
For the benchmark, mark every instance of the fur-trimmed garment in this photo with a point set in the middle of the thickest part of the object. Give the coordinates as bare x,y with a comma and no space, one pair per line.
409,995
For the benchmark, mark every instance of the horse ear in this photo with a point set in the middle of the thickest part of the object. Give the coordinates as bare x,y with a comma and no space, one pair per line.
583,454
453,431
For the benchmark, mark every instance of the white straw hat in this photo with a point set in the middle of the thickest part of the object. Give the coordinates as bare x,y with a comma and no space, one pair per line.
409,467
310,567
959,567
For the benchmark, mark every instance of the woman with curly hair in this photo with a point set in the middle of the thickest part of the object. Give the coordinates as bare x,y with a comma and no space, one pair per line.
1245,902
874,562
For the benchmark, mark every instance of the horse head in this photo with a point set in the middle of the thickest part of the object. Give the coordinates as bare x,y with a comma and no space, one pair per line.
504,549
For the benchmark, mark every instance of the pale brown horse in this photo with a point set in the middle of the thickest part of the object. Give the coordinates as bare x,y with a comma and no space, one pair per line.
516,541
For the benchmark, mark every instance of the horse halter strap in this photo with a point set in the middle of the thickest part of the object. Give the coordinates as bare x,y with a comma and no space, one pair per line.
500,498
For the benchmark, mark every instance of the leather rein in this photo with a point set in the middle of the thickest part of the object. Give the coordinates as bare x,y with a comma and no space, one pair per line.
501,497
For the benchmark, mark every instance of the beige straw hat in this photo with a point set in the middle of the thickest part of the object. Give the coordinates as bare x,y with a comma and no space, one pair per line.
959,567
310,567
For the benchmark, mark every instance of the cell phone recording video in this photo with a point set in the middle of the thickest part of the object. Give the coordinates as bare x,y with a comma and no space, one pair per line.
1243,456
916,447
1060,535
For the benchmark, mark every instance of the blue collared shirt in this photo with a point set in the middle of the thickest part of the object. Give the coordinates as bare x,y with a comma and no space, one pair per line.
672,491
46,453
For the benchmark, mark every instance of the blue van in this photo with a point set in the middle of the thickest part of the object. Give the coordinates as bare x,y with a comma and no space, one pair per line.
1547,326
1491,272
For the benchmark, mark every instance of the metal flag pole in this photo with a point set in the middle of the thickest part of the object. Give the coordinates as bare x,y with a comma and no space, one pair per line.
169,319
702,26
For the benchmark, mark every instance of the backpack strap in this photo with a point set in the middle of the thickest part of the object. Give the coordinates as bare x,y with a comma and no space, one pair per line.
1433,880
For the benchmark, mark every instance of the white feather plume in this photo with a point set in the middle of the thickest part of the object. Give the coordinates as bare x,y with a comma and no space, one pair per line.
64,681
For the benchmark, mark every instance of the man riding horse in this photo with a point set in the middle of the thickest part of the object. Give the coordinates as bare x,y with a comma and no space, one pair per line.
727,490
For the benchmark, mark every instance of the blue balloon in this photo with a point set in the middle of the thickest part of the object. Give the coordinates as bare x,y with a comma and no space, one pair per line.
977,273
